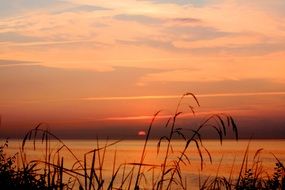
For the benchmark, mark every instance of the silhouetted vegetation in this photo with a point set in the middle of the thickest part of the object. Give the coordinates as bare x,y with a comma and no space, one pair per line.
87,173
26,177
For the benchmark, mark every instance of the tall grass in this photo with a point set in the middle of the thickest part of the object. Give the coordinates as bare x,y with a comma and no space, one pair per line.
89,173
251,176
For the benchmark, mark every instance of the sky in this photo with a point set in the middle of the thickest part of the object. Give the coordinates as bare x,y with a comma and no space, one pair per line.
97,67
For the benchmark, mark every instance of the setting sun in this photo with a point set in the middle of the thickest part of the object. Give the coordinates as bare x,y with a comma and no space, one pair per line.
141,133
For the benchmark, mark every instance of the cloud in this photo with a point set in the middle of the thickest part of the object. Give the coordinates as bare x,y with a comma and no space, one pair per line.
59,43
15,7
138,18
182,2
148,42
187,20
26,81
276,7
194,33
221,71
144,19
4,62
16,37
85,8
141,30
26,84
81,8
255,49
236,94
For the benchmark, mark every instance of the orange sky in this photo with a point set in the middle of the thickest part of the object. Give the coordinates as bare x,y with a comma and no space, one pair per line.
95,63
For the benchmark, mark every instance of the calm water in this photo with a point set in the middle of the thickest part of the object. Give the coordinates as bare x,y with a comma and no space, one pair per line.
230,155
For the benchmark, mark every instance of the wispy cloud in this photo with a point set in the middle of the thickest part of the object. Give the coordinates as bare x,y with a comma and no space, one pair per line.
153,97
237,111
138,18
182,2
16,37
178,96
5,62
12,7
47,43
187,20
83,8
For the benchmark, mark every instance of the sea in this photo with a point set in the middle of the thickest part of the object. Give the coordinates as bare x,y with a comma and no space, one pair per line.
213,159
